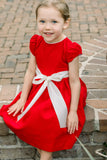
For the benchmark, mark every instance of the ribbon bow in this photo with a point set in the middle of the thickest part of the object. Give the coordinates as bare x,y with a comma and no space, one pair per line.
54,93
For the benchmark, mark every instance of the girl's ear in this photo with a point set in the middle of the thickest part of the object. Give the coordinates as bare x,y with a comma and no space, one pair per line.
66,23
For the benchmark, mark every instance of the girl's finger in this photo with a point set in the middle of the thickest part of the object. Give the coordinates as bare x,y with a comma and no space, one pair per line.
11,111
77,126
12,108
16,112
72,130
22,109
69,127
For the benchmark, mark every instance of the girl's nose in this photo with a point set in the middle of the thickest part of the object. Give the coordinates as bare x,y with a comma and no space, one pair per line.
47,26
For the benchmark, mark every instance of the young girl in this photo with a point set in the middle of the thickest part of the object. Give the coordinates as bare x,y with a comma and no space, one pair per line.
49,112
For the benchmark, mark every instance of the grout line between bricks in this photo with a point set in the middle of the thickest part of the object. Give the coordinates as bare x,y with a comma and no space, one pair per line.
96,122
91,107
5,101
94,76
93,45
97,125
104,49
13,146
85,63
97,99
98,58
100,110
18,89
97,89
103,109
18,143
97,64
86,50
0,88
89,58
100,41
96,111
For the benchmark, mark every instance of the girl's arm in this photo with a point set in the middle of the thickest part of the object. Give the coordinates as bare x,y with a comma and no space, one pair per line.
72,121
19,105
28,78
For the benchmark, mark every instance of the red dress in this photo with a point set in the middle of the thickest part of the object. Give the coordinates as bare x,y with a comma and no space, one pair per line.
40,127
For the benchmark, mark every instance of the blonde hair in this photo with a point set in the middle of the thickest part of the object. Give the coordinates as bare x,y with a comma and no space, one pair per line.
60,5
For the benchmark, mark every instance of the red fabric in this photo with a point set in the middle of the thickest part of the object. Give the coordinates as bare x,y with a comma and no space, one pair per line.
40,127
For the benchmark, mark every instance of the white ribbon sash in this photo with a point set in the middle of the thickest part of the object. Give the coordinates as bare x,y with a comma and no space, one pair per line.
54,93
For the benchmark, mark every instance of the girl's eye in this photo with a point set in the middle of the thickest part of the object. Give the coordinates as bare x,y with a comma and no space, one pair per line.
42,21
54,22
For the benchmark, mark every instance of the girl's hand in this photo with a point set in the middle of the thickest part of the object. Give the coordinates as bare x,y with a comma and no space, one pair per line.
15,108
72,122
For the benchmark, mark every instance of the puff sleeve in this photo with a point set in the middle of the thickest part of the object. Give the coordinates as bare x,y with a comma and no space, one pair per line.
34,43
73,50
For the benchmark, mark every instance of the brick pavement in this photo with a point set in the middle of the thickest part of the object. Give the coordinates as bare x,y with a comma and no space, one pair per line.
89,28
17,25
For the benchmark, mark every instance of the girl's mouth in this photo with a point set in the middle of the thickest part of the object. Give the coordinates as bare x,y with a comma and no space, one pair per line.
48,33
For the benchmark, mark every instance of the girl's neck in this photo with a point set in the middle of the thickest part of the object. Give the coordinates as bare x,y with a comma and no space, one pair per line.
61,39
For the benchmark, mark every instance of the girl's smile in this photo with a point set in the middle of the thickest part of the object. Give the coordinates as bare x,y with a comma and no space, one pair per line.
51,24
48,33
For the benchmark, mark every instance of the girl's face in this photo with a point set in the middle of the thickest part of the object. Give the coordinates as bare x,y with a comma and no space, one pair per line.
51,24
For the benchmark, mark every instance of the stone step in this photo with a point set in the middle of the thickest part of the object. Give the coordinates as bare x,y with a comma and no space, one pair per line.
98,158
29,153
12,147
